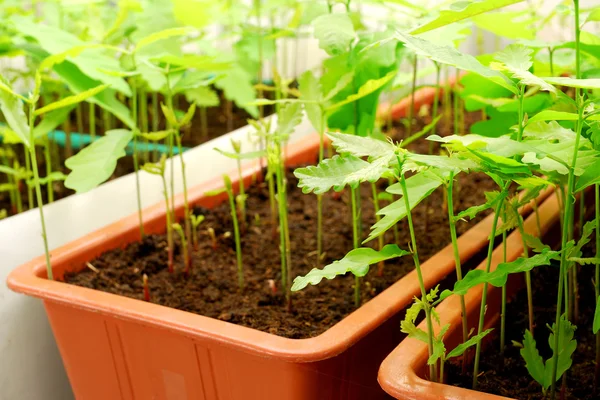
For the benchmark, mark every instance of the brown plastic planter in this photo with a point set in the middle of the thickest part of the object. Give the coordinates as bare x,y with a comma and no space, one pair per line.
402,372
115,347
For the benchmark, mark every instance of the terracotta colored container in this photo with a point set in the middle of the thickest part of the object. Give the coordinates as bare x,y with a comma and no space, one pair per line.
402,373
116,347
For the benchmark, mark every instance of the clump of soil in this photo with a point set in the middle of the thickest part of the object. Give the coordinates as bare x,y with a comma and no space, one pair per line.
509,376
212,290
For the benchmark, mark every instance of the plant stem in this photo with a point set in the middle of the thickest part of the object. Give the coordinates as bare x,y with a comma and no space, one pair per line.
355,244
284,237
79,118
155,121
38,189
203,123
569,205
597,281
106,120
92,123
377,218
485,285
527,273
436,100
455,105
236,232
453,236
415,253
411,111
186,206
144,119
135,157
320,196
169,222
48,160
503,314
30,199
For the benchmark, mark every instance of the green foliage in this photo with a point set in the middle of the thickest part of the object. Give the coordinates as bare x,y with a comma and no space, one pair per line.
12,109
237,87
70,100
334,32
596,323
96,163
356,261
462,10
540,371
461,348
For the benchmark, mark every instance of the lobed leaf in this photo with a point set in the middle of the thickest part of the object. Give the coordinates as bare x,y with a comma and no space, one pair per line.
533,361
13,112
461,348
334,32
96,163
360,146
372,85
71,100
356,261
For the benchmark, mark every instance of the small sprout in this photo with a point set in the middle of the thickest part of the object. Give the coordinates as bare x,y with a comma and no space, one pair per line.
184,246
256,219
272,285
146,289
213,238
227,235
236,231
90,266
196,221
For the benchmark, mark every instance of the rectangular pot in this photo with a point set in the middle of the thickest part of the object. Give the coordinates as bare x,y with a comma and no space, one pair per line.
116,347
402,373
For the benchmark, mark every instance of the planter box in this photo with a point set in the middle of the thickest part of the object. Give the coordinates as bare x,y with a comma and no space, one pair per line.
116,347
402,372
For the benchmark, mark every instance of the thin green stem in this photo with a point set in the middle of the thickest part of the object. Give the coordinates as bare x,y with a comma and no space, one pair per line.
569,204
485,285
242,191
411,110
38,187
48,161
236,232
377,218
436,100
92,121
527,273
457,262
503,312
186,205
169,222
355,244
135,157
415,253
320,196
30,198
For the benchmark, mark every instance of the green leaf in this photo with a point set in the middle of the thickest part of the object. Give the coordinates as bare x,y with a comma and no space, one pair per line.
161,35
356,261
369,87
461,348
51,121
310,90
360,146
508,24
55,176
456,13
187,117
516,59
553,115
334,32
576,83
288,118
533,361
96,163
337,172
156,136
169,114
202,96
566,347
596,324
418,187
71,100
237,87
450,56
252,155
15,117
594,15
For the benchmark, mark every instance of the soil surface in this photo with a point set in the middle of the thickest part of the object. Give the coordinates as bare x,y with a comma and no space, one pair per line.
212,289
509,376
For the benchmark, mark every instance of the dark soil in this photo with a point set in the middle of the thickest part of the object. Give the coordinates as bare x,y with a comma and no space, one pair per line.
509,377
212,288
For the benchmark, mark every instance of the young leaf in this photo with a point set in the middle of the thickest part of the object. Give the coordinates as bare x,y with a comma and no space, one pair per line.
533,361
202,96
576,83
369,87
359,146
450,56
456,13
188,115
242,156
155,136
70,100
356,261
461,348
334,32
237,87
289,116
96,163
338,172
169,115
51,121
418,187
565,350
516,59
310,90
164,34
12,109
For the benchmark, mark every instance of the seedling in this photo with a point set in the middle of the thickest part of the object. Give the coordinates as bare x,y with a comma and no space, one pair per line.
146,288
196,220
187,261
